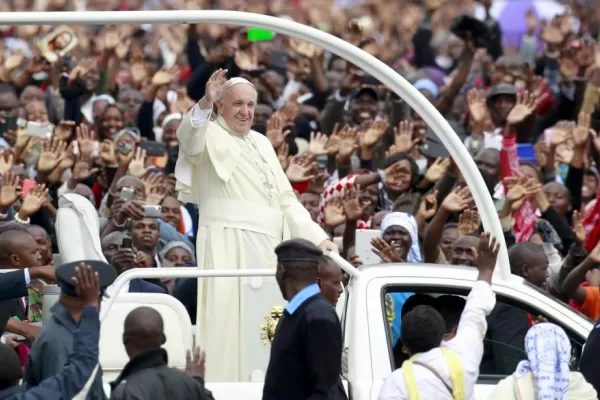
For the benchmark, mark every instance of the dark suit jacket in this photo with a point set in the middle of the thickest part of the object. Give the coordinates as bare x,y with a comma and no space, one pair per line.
142,286
186,291
12,288
12,285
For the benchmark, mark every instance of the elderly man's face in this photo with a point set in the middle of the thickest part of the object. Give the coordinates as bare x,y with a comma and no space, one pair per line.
237,107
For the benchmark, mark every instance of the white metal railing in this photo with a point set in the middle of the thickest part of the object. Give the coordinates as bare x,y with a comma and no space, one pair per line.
356,56
193,272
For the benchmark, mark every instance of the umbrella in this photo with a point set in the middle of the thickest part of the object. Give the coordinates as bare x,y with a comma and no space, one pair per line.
511,16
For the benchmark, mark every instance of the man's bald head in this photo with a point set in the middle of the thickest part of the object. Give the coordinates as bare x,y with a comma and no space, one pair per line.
10,243
143,331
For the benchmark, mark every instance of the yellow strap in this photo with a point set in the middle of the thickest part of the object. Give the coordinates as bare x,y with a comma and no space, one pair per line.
455,369
457,374
408,373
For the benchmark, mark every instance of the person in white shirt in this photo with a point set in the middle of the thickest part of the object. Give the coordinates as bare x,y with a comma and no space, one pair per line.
445,370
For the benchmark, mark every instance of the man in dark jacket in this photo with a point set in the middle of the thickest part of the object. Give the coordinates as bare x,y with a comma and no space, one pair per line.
147,374
306,357
81,363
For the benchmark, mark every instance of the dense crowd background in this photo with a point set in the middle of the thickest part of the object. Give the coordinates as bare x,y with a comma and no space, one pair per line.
524,101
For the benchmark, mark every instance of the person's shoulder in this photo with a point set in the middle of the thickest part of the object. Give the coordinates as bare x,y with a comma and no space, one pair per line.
318,308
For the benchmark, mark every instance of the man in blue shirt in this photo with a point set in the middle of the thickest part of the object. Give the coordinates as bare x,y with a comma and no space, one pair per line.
306,355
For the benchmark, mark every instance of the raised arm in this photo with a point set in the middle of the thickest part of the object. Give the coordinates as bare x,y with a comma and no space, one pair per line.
193,132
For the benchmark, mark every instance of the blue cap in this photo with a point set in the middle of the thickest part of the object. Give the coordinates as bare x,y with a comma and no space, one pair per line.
66,272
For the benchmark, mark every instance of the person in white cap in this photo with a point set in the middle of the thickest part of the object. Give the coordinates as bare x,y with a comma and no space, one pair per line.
247,207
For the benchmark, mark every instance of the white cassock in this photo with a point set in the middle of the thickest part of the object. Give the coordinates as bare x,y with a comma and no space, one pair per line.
247,207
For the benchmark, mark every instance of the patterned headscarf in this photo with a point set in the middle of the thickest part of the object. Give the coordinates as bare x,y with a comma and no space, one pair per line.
549,352
408,222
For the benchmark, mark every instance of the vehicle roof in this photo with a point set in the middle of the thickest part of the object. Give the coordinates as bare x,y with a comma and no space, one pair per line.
423,270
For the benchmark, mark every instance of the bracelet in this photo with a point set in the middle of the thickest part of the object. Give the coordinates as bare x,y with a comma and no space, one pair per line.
117,225
22,222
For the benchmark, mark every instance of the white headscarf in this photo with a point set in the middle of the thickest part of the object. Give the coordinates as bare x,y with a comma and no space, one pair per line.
408,222
549,352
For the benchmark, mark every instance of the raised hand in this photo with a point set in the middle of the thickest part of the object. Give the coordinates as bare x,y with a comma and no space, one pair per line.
386,251
457,200
348,143
138,71
477,106
525,106
371,132
197,366
14,60
468,222
391,151
214,84
299,170
561,132
290,109
283,155
64,130
151,181
6,162
85,140
397,177
122,49
403,137
275,132
137,166
353,208
520,188
333,143
581,133
108,153
33,201
578,229
87,285
247,60
487,256
334,212
165,77
82,169
157,195
10,191
428,206
133,210
51,155
317,144
305,49
437,170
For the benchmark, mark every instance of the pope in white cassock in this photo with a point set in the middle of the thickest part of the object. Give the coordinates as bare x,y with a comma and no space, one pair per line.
247,207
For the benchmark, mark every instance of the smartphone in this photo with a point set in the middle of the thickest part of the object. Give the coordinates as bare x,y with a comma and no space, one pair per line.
26,187
9,124
364,250
154,148
127,194
36,129
152,211
127,243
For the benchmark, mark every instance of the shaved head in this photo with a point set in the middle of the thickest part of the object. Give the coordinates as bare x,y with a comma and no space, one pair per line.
143,331
144,320
10,243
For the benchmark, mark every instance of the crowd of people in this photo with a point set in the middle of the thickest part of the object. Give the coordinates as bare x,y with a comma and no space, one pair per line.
173,132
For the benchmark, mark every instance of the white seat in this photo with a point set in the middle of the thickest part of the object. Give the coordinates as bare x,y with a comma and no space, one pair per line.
77,229
177,325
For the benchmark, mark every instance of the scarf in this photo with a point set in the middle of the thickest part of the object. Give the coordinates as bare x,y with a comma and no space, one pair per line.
548,351
408,222
176,245
338,188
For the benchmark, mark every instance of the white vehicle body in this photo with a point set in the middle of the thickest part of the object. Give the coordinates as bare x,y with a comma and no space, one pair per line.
365,328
